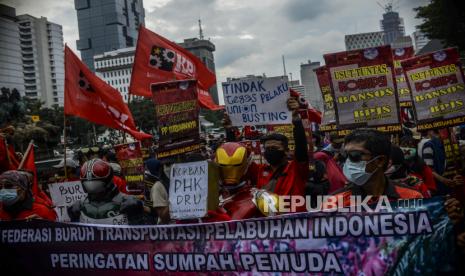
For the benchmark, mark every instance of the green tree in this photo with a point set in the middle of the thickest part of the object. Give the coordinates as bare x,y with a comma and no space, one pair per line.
444,20
143,112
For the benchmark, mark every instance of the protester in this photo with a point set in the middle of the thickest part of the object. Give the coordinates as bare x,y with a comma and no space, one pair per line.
334,147
236,197
17,201
158,182
455,211
104,203
281,176
415,165
368,152
333,172
398,172
431,150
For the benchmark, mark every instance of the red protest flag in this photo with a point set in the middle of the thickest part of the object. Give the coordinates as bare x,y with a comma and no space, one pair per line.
159,60
89,97
28,164
206,101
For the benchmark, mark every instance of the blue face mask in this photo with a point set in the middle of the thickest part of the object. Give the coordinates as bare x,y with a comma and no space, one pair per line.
8,196
355,171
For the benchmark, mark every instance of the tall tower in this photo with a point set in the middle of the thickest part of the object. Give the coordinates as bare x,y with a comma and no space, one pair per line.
107,25
391,24
203,49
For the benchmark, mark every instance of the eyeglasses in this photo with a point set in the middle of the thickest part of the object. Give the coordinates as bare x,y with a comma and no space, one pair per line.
355,155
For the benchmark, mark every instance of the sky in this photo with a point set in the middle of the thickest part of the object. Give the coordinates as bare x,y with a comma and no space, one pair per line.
250,35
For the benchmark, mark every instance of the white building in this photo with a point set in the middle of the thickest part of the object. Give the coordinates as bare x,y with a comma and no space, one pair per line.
420,40
364,40
115,68
43,59
310,82
11,64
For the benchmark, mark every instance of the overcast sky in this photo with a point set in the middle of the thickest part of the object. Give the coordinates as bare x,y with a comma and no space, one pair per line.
250,35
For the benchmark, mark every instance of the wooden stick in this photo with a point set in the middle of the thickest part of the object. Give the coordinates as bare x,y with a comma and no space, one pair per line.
64,144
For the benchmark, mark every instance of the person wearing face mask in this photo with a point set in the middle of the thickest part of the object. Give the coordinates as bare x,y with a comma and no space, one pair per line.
281,176
368,152
157,176
104,203
415,164
17,201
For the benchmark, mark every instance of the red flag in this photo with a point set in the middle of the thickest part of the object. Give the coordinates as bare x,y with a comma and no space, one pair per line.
159,60
206,101
28,164
90,98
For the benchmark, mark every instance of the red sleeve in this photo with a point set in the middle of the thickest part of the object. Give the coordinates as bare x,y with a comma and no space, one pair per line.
252,173
428,178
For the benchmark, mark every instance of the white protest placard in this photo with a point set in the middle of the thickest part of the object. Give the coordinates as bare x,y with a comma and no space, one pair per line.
64,194
257,101
188,193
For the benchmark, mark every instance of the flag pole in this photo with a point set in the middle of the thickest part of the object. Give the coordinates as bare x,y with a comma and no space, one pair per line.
26,154
64,144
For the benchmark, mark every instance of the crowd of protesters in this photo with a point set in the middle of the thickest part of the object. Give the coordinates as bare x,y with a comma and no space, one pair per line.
365,162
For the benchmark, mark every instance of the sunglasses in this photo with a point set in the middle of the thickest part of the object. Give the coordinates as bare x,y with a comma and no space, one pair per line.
355,155
92,149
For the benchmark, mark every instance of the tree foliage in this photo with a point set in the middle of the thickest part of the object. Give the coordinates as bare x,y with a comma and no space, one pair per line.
444,20
143,112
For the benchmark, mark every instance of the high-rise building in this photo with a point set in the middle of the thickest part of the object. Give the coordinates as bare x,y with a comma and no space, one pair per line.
295,85
310,82
392,24
203,49
11,64
115,68
420,40
43,59
364,40
107,25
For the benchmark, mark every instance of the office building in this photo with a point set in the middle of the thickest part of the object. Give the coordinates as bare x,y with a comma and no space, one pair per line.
11,63
420,40
115,68
364,40
392,25
310,82
107,25
43,59
203,49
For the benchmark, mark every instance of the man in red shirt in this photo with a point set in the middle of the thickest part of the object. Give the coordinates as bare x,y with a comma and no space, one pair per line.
17,201
281,176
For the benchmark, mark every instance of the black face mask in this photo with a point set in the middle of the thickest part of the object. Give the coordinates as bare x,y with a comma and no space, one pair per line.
274,156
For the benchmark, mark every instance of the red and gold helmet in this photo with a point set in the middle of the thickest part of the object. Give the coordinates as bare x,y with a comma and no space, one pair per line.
233,161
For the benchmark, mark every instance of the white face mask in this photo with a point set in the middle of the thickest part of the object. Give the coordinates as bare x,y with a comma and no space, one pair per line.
355,171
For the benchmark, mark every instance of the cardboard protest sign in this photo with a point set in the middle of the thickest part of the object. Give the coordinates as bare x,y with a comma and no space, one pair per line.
177,114
415,238
257,101
363,88
438,91
188,190
132,165
64,194
403,92
328,122
452,151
